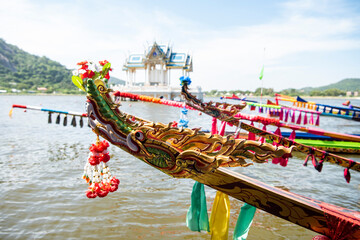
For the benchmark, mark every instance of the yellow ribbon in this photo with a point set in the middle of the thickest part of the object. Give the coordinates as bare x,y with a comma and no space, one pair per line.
10,113
220,216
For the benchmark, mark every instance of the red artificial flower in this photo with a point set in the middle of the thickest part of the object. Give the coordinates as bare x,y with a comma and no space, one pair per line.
88,74
82,63
106,186
114,180
102,63
106,157
101,192
101,147
105,143
84,67
91,194
93,160
114,187
107,76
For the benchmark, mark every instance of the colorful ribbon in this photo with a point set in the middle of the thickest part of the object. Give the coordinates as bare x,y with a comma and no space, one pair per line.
244,222
220,216
197,216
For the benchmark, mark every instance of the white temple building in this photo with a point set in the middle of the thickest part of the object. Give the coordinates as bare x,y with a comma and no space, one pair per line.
156,64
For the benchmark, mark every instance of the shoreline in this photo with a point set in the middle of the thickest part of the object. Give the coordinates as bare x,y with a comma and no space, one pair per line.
213,96
311,97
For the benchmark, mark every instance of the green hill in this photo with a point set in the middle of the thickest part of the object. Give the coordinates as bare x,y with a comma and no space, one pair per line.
335,89
23,71
26,72
348,84
116,81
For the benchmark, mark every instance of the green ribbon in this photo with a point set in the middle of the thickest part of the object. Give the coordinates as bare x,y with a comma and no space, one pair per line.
244,222
197,216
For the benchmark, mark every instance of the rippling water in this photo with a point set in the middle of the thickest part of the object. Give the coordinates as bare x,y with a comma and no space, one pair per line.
43,193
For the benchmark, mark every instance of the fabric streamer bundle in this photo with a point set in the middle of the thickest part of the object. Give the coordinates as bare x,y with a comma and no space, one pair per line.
58,117
218,226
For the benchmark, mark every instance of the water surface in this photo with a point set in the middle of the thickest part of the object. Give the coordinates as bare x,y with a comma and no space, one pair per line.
43,195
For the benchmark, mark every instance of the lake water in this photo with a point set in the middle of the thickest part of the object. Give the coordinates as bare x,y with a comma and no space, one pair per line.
43,195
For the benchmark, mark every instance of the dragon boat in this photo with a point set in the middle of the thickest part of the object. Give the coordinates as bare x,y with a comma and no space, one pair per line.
206,158
349,113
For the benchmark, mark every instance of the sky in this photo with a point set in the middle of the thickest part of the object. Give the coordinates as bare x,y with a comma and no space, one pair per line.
306,43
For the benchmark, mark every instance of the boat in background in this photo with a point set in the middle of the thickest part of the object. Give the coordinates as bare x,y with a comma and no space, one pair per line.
294,118
326,110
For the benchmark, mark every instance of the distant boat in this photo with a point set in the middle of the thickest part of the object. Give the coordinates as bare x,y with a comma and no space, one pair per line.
326,110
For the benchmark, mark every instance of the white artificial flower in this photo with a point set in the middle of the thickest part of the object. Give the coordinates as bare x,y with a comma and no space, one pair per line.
75,72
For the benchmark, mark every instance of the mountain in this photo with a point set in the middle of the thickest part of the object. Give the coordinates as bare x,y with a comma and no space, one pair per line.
348,84
116,81
23,71
335,89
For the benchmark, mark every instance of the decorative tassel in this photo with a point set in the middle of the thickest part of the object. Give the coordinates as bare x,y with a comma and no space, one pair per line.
286,115
73,121
311,121
317,120
65,120
183,122
305,119
293,117
276,160
197,216
174,124
214,126
320,164
220,216
244,222
222,128
252,108
299,118
262,139
313,159
281,114
58,119
292,135
49,118
347,171
251,135
81,122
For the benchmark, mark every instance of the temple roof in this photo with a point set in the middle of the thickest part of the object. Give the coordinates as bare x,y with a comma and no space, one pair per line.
156,54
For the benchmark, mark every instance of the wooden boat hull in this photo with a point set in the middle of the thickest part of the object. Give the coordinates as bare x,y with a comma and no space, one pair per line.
186,153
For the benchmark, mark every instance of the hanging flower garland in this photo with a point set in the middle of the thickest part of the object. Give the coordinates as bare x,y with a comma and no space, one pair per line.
97,173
